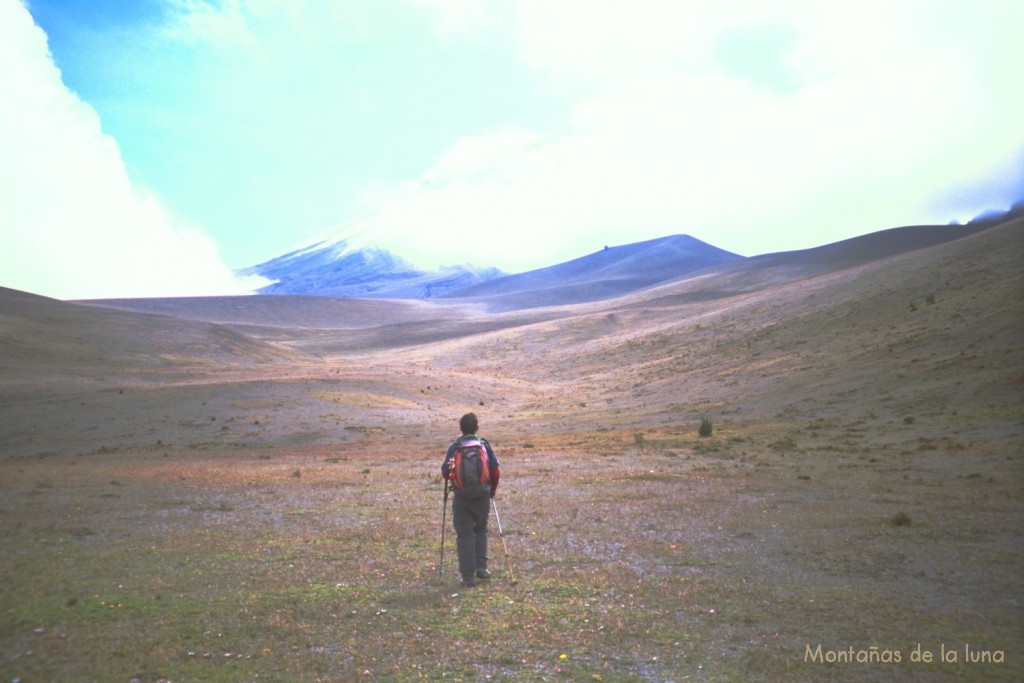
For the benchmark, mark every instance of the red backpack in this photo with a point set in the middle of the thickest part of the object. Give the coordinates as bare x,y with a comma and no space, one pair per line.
472,475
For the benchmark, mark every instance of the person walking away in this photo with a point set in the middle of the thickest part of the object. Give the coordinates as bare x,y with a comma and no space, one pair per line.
472,469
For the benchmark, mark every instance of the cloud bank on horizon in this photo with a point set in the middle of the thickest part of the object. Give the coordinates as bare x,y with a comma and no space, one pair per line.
509,134
75,226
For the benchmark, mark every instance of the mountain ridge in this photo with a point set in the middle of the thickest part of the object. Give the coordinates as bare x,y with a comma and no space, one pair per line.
661,257
339,270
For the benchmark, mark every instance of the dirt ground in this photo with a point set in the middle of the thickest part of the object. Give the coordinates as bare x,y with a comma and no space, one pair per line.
732,557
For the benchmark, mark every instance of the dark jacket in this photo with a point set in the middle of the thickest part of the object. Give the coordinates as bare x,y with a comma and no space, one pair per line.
492,461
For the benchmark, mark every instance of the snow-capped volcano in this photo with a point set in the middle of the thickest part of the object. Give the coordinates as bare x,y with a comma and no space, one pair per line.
337,269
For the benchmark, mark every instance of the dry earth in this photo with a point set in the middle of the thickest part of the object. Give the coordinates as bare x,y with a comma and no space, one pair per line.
245,489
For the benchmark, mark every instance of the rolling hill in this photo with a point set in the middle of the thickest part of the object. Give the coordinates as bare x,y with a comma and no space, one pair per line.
611,272
935,325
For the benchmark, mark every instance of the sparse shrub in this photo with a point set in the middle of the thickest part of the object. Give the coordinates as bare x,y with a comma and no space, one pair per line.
901,519
297,474
786,443
705,427
638,439
930,299
909,419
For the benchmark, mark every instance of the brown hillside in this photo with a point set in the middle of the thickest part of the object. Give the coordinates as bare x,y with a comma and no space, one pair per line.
932,333
929,333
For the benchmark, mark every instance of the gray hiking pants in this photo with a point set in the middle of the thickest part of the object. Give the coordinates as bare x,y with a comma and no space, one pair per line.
469,516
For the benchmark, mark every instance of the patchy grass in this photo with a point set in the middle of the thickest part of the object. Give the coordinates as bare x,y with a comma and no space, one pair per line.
221,566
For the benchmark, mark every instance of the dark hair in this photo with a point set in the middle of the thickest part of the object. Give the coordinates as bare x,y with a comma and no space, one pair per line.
468,424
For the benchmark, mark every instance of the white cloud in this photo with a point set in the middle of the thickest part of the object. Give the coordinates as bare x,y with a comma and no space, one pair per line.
630,120
893,104
74,224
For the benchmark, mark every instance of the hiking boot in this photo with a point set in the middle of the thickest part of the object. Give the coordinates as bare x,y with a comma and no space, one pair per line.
469,583
483,574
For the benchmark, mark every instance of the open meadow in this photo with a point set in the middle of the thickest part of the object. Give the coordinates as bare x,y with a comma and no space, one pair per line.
216,497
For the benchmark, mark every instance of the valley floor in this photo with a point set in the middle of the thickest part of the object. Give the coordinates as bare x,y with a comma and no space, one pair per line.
768,551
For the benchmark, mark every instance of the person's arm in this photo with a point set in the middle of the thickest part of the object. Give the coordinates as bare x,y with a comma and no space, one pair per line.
495,476
446,470
493,467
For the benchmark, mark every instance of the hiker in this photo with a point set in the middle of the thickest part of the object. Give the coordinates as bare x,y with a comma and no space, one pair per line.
472,496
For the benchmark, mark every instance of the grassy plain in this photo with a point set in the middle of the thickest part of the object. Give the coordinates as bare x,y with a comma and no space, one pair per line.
717,559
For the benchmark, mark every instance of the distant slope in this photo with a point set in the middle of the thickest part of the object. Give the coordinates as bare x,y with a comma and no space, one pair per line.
767,270
337,270
618,271
863,249
872,246
44,336
281,311
611,272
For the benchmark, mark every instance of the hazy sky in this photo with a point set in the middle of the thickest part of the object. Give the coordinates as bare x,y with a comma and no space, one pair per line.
151,147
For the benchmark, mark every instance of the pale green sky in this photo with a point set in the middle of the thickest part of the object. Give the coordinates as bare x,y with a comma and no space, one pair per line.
514,134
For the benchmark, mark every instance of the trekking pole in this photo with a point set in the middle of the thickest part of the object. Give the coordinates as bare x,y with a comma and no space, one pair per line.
444,519
501,533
